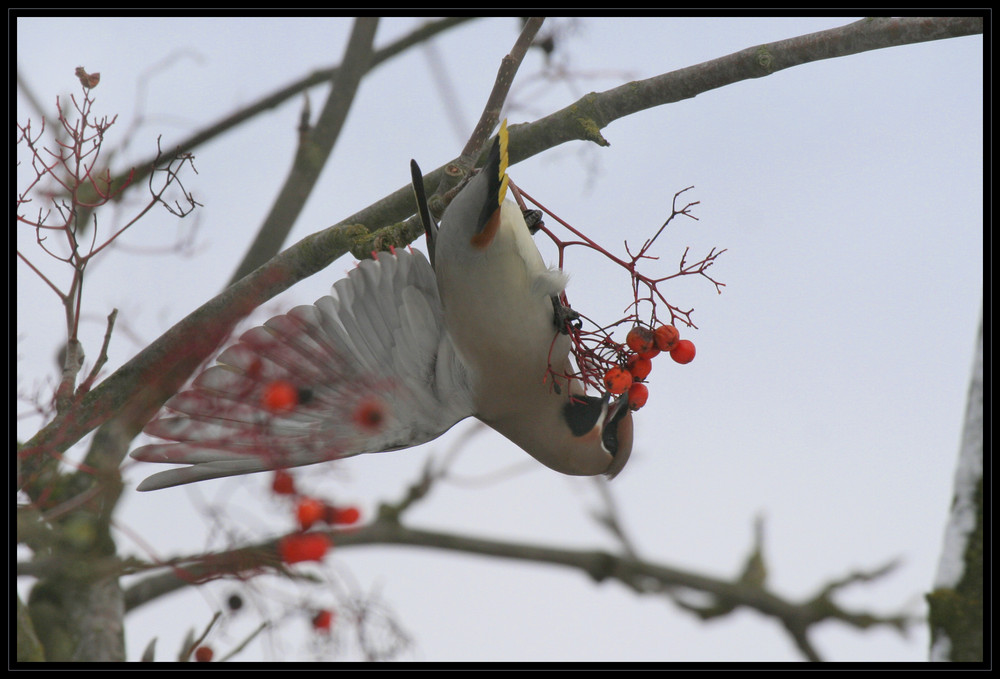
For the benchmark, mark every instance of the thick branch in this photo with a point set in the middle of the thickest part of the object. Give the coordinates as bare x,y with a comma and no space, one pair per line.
584,119
957,601
150,377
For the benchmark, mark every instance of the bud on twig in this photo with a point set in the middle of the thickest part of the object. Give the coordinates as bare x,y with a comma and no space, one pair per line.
88,80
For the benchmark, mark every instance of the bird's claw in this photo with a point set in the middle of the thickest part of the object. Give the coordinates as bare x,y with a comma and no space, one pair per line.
533,218
563,316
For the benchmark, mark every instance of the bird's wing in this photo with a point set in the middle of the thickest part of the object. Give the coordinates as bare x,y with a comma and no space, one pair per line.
371,368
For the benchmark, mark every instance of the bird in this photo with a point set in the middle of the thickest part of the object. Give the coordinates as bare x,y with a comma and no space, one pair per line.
403,349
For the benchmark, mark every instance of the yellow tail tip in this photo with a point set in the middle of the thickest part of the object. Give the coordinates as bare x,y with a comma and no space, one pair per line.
502,138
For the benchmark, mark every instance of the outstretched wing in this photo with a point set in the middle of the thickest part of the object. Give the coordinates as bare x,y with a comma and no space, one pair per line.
368,369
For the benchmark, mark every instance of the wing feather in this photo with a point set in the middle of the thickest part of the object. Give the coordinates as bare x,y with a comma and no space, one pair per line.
378,341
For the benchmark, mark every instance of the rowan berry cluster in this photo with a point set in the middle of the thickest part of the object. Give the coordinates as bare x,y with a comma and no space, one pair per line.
309,512
645,344
305,544
608,365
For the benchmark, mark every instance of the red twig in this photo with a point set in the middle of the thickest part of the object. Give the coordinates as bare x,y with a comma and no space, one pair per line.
593,347
67,179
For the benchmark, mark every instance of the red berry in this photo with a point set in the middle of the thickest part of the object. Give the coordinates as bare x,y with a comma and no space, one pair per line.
309,511
203,654
322,620
637,395
303,547
650,353
283,483
683,351
639,366
666,336
617,380
280,396
343,515
640,340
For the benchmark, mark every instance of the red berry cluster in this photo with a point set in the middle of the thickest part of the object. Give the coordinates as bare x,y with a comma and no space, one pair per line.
309,511
601,362
645,344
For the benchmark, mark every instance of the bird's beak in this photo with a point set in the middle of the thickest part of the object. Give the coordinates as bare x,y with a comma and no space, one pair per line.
615,409
617,434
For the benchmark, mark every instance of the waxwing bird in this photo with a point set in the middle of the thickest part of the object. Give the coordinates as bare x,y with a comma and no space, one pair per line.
401,351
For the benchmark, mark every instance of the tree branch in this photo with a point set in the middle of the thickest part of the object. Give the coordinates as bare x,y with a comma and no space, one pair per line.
189,342
490,116
275,99
156,372
315,147
584,119
639,575
957,600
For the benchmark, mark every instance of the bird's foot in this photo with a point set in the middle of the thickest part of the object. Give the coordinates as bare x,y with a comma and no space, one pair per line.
533,218
563,316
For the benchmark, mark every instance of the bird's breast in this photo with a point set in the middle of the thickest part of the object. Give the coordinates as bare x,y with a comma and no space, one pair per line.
498,310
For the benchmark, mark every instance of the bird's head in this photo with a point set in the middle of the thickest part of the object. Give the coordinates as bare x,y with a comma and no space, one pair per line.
601,432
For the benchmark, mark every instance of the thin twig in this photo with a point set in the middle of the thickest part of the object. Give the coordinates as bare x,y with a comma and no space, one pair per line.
188,649
102,358
490,116
318,77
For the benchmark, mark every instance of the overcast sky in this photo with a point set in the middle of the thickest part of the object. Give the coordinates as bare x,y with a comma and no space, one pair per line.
828,391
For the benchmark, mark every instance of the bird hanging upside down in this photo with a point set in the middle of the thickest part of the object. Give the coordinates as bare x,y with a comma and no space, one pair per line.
402,351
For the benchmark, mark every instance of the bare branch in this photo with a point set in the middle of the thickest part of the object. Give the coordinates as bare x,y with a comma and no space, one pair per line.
103,357
314,149
584,119
490,116
641,576
318,77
